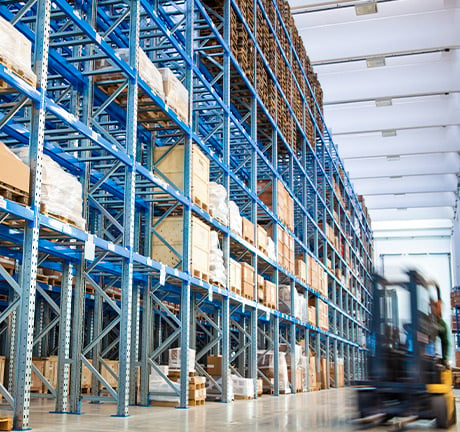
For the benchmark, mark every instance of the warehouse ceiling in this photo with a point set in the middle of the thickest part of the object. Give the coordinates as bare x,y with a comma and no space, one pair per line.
391,82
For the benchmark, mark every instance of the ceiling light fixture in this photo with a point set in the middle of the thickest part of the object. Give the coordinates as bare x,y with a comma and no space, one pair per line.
396,177
366,8
383,102
375,62
388,133
393,158
402,209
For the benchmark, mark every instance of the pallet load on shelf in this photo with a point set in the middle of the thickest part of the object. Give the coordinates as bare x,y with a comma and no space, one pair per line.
235,219
169,162
300,302
15,53
323,319
217,271
214,365
298,368
247,281
284,202
455,296
269,294
243,388
176,95
217,202
214,389
271,249
262,239
317,277
235,276
14,176
286,252
323,374
260,288
266,366
339,382
301,270
248,231
61,195
109,371
313,376
171,230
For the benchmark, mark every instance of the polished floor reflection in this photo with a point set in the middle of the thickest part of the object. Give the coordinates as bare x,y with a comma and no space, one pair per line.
329,410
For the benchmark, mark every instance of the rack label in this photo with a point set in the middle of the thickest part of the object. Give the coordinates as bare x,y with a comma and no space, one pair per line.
210,292
2,203
162,274
90,248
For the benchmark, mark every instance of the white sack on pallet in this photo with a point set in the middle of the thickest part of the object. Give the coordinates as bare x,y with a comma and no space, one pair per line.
243,387
15,50
271,249
217,271
176,95
236,221
217,204
61,191
148,72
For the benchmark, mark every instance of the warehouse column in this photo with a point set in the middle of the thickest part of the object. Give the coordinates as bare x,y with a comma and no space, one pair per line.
25,319
64,339
125,346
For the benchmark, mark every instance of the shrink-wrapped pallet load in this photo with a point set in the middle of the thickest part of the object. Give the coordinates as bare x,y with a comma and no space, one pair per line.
217,202
176,95
217,271
61,191
236,221
16,52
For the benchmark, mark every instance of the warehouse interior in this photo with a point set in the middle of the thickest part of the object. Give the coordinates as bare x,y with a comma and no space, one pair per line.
195,195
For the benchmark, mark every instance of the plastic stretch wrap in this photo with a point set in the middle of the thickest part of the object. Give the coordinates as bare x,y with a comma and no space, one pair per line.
159,392
217,271
213,389
155,378
300,303
236,221
243,386
267,367
61,191
217,205
16,50
174,359
271,249
176,95
148,72
298,354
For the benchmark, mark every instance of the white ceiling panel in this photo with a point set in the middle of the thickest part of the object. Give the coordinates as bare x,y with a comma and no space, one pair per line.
409,141
406,200
336,35
410,214
408,184
442,110
396,124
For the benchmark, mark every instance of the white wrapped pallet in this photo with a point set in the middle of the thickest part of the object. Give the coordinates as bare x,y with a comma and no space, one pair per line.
266,365
155,378
148,72
174,361
271,252
217,271
61,191
163,392
243,387
16,52
217,205
214,389
236,220
176,95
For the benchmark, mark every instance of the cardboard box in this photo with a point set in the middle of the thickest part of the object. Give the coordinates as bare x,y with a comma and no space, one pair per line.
169,161
260,288
301,270
262,239
247,280
13,172
270,294
285,204
214,365
248,231
235,276
171,229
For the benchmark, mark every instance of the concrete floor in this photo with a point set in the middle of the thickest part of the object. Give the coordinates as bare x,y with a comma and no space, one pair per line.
318,411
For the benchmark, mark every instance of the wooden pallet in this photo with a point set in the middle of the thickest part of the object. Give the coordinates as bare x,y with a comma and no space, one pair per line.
200,275
31,80
239,397
6,423
13,194
246,296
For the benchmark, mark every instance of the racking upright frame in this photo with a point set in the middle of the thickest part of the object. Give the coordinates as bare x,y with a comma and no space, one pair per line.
109,147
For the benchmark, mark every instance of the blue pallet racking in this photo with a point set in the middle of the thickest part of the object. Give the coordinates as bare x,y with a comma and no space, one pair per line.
104,129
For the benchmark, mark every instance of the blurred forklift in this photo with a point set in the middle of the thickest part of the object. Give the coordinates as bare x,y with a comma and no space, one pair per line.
407,381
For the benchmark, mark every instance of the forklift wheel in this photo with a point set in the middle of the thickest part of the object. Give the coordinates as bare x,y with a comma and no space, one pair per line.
444,419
